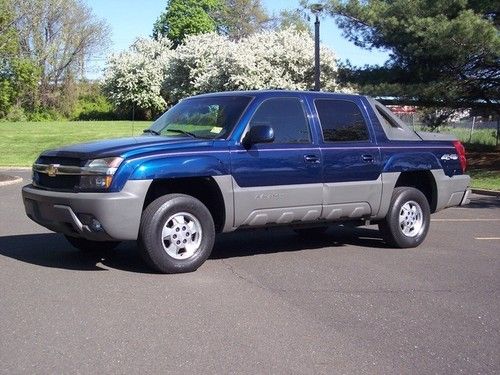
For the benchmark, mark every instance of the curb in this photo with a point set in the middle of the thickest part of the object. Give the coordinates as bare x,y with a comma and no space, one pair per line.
491,193
16,180
8,168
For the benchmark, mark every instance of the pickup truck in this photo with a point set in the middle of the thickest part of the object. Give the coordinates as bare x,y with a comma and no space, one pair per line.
217,162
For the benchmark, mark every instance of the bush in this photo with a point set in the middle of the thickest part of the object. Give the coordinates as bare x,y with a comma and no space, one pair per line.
44,114
15,113
93,107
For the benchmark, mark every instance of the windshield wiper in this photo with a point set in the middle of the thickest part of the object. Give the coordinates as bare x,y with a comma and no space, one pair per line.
151,131
182,132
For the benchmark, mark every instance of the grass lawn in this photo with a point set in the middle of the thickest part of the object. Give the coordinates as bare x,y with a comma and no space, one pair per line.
22,142
484,179
480,137
484,168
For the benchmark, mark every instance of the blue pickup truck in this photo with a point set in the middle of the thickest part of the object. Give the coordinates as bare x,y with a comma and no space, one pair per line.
218,162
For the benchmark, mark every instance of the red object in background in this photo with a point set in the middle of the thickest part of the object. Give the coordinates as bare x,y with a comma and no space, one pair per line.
459,147
402,109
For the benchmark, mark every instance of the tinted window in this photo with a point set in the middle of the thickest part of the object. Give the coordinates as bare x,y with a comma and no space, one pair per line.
286,117
341,120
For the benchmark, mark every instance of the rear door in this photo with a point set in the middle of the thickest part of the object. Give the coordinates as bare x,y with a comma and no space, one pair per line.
351,159
278,182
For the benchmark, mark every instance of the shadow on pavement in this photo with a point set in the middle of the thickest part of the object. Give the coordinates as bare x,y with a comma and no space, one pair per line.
483,201
275,240
52,250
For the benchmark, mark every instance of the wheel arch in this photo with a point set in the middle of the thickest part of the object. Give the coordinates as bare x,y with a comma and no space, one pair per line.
422,180
205,189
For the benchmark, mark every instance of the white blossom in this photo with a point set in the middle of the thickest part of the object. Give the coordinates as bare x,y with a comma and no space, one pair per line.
136,76
152,75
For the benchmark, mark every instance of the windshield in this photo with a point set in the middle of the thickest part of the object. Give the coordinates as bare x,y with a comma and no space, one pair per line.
207,118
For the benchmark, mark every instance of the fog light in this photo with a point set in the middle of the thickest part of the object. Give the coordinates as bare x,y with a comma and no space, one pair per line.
90,221
95,225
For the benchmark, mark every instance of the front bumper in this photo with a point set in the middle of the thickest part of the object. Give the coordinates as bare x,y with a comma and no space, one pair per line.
118,213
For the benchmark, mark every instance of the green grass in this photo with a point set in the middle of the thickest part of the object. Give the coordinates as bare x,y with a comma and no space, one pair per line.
22,142
485,179
481,138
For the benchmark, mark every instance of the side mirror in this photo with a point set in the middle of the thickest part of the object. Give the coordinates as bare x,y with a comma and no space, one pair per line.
259,134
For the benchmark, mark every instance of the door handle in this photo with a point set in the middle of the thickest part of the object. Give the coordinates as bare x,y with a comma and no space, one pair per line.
367,158
311,159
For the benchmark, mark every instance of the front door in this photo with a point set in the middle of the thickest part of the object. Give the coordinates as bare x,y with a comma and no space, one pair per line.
278,182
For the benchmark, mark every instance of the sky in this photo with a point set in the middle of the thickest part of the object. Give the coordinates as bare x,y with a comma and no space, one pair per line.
130,19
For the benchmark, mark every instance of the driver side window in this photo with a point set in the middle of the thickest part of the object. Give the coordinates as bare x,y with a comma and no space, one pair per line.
286,117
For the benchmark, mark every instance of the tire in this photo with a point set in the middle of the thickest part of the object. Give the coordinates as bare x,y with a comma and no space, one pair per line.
407,222
312,232
89,246
176,234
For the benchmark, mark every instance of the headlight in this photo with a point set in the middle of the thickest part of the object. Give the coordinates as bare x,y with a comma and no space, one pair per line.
98,174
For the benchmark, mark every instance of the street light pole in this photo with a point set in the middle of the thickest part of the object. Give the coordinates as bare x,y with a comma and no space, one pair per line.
317,68
316,9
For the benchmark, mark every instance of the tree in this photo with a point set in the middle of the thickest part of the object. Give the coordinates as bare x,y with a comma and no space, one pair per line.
241,18
235,19
281,59
59,37
297,19
186,17
151,76
443,52
18,76
134,78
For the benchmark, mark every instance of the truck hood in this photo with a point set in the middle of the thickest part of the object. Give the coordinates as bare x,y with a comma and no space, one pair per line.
126,147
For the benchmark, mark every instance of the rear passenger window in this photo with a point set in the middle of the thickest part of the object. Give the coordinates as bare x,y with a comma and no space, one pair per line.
286,117
341,120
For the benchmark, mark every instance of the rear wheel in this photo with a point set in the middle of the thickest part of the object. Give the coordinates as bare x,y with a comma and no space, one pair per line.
89,246
176,234
407,222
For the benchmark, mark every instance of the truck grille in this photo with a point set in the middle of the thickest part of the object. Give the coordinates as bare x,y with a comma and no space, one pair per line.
66,183
59,182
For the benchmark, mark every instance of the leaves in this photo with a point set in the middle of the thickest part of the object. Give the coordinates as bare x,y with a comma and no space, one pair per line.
186,17
442,51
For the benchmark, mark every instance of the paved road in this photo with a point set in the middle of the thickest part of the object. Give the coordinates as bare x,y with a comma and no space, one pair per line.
266,302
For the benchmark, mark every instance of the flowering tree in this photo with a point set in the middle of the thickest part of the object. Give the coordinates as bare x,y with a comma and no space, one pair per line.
152,76
270,59
283,59
135,77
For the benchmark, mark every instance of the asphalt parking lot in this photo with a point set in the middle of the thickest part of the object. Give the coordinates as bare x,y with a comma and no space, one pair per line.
266,302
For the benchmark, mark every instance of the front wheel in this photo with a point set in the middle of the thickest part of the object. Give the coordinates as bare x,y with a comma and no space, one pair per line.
407,222
176,234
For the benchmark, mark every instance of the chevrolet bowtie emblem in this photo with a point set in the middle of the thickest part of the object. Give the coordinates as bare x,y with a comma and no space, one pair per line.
52,170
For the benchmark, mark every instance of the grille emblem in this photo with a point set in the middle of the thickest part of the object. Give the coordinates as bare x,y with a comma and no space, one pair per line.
52,170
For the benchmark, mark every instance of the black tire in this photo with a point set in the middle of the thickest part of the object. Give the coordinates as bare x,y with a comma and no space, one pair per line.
89,246
416,227
312,232
166,214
